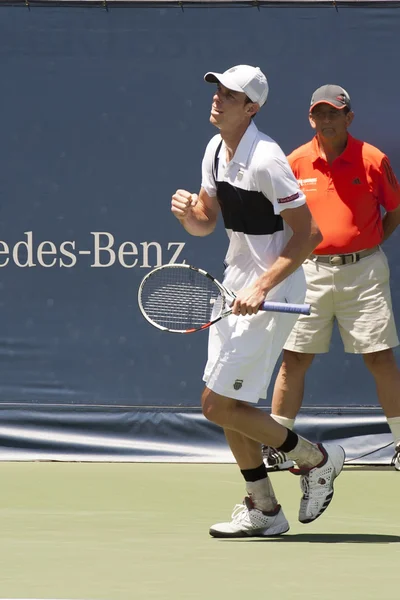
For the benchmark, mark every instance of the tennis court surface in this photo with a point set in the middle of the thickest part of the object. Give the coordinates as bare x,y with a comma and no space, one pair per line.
138,531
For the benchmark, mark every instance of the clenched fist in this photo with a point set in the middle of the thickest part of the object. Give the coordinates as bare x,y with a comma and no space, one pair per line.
182,203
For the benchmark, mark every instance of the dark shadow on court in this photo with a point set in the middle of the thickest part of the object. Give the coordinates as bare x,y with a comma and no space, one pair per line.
324,538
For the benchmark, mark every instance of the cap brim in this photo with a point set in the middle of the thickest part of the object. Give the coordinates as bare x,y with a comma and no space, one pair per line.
339,107
226,81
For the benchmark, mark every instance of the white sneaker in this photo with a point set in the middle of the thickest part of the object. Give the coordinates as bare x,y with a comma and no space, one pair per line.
396,458
248,521
275,460
317,484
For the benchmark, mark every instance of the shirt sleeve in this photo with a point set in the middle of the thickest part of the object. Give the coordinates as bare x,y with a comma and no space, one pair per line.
389,188
279,185
207,167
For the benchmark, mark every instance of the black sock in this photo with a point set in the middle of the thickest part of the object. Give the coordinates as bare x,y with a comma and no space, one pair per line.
255,474
290,443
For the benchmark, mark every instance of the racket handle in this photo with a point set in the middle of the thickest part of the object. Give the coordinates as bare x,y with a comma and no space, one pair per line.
302,309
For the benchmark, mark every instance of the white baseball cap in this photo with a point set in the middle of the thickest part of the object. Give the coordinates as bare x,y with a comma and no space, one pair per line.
243,78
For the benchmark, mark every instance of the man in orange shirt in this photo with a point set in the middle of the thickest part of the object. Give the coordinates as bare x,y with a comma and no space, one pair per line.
346,182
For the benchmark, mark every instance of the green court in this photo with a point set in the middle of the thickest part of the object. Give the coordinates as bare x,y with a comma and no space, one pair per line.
138,531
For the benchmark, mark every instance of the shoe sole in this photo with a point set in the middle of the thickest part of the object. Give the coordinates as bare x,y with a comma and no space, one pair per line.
327,502
269,532
329,497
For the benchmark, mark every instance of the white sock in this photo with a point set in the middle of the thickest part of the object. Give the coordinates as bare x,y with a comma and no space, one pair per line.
289,423
394,424
306,454
262,494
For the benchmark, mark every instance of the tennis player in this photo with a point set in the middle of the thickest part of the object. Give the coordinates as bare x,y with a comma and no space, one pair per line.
247,178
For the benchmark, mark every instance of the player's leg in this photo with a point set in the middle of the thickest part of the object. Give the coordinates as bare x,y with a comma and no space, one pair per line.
318,465
240,376
259,514
286,402
367,327
310,335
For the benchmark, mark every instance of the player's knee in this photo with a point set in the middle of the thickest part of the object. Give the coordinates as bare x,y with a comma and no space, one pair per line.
215,408
208,405
211,410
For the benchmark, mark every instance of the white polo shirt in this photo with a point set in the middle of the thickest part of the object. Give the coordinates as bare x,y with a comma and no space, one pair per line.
252,190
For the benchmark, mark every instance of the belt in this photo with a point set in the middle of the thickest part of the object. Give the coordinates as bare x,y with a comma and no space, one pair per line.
336,260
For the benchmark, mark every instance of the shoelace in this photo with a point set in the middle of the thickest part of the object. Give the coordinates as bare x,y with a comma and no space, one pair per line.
239,513
305,486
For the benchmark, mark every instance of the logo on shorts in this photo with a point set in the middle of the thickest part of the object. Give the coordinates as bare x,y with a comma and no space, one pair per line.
357,181
238,384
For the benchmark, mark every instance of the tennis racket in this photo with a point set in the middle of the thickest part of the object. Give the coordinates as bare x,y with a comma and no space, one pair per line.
182,299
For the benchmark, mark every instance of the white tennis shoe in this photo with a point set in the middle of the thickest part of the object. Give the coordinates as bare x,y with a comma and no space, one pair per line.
248,521
317,484
275,460
396,458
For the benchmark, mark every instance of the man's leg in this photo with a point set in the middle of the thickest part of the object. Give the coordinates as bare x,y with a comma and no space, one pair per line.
289,385
255,424
247,453
386,373
311,334
286,402
260,514
366,322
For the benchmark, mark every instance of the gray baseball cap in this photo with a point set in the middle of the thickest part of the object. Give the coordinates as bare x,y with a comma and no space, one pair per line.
334,95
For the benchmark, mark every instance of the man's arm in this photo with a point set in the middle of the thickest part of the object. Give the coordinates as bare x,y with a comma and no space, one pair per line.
389,196
390,221
306,236
197,213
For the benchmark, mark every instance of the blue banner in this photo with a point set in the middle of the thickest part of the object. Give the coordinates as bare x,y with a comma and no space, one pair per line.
104,114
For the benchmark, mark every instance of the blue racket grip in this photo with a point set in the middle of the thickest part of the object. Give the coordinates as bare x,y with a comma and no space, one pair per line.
302,309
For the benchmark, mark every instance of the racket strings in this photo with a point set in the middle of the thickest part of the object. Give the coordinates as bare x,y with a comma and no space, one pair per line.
181,299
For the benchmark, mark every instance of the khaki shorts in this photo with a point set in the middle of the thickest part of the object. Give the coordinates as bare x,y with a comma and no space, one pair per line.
358,296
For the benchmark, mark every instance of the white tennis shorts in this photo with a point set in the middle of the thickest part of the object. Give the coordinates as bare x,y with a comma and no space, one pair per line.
243,351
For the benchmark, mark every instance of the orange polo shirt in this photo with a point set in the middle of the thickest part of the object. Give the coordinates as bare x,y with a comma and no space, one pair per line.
345,197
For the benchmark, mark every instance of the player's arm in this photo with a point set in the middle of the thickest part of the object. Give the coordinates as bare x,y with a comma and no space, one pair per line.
197,213
290,202
306,236
281,188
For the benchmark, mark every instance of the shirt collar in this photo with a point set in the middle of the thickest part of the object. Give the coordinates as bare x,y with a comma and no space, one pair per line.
347,154
242,154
